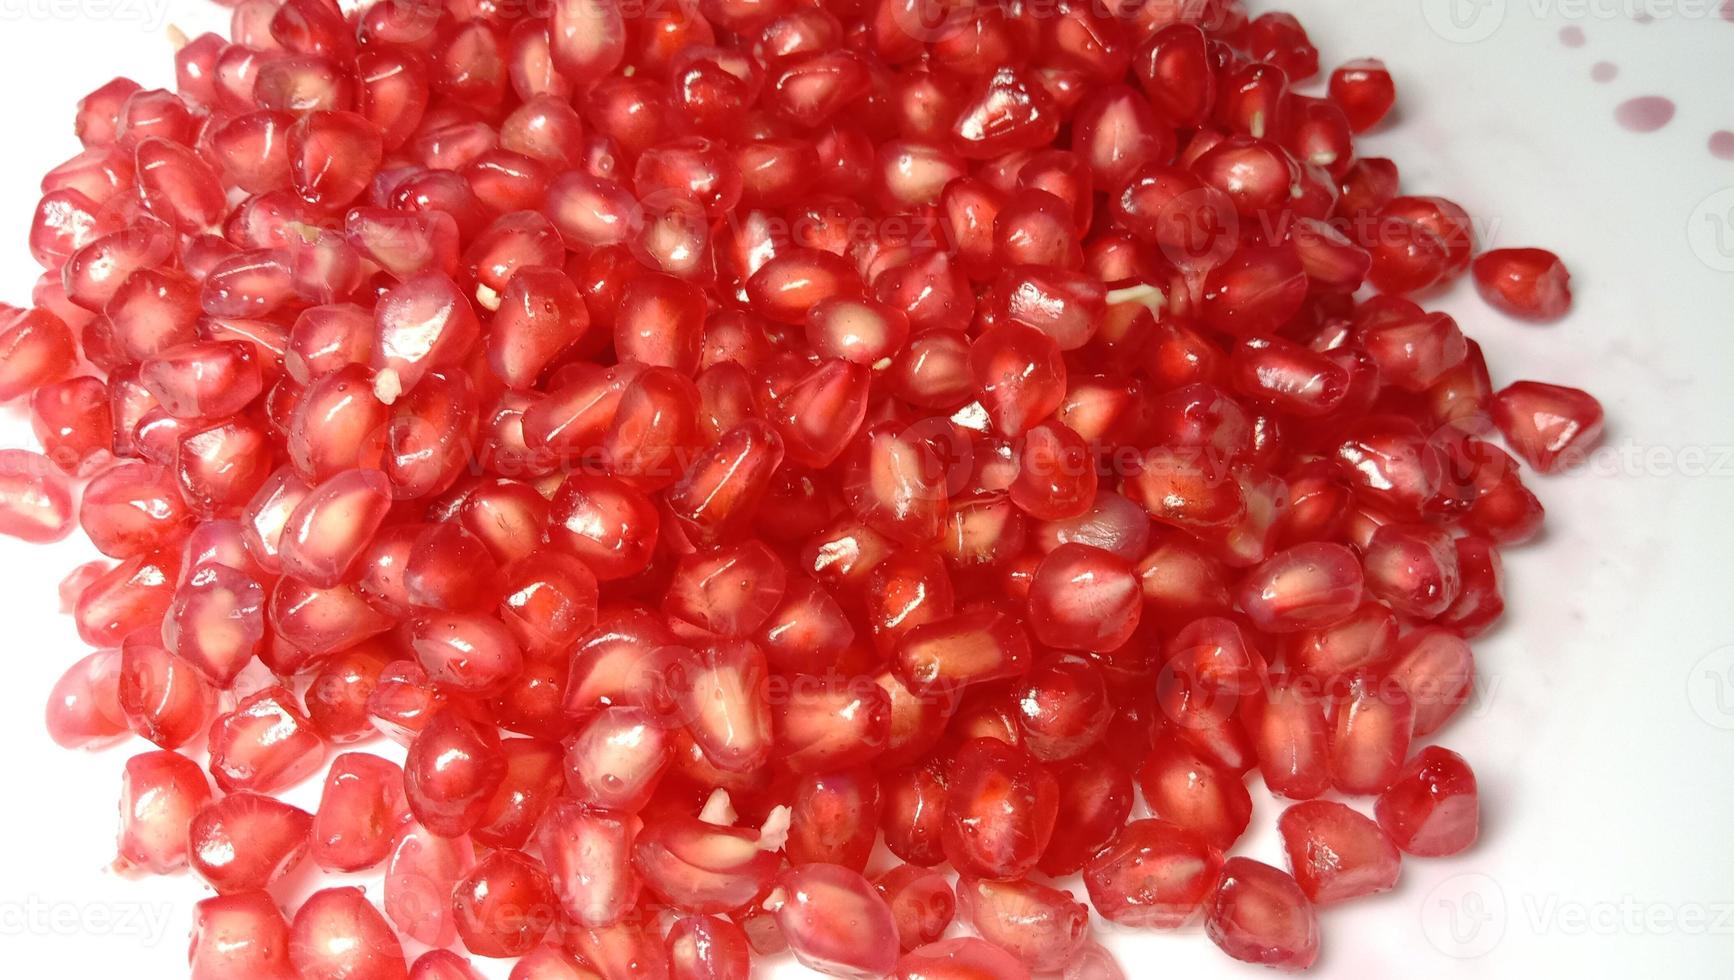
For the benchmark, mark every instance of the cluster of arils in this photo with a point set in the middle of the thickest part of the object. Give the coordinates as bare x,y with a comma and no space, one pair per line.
708,437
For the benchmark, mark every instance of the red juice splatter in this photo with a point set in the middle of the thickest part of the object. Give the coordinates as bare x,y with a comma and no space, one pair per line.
1571,37
1722,145
1645,114
1604,71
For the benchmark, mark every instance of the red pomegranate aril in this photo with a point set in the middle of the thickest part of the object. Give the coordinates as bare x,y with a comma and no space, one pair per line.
1336,853
331,157
966,958
913,813
1042,926
1436,669
588,854
203,379
1413,569
702,868
970,648
705,947
265,744
1527,283
336,701
1001,806
1291,734
549,962
1258,914
1153,875
1095,799
359,813
1373,722
338,934
443,964
1309,585
217,622
921,902
451,772
241,936
1433,808
834,921
833,819
504,905
617,758
1084,598
84,707
1551,426
420,874
1364,90
829,724
422,324
244,842
330,529
323,621
160,793
604,522
1184,789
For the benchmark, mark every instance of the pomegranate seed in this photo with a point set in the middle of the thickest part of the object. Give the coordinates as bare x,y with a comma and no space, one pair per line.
1042,926
1364,90
359,813
616,758
833,819
1432,808
453,767
1095,799
588,854
265,744
338,933
913,814
1258,914
442,964
504,905
420,874
1528,283
240,936
1186,790
703,868
921,902
705,947
1413,569
834,920
85,710
1550,426
160,792
1000,809
244,841
959,959
1336,853
1154,874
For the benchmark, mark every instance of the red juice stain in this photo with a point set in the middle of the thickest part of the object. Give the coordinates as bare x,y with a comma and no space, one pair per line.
1645,114
1722,145
1571,37
1604,71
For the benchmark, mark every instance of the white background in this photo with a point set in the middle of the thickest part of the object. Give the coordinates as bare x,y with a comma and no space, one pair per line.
1604,733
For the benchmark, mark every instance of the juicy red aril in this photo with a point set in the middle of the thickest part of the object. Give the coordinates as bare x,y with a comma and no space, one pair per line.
1432,808
1260,915
709,440
1336,853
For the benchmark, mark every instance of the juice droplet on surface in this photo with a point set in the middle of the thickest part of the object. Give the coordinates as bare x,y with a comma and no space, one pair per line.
1645,114
1571,37
1604,71
1722,145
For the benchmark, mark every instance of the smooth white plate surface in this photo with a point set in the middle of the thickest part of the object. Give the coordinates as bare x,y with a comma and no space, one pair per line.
1603,733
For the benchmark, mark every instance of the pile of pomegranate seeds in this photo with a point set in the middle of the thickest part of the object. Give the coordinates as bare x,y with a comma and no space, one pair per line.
713,440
